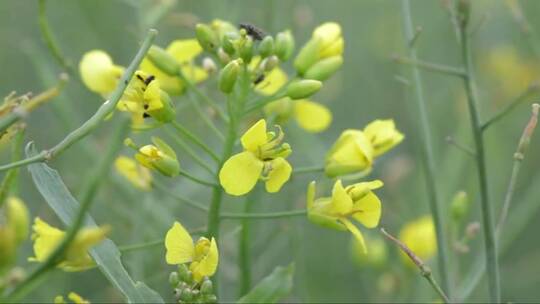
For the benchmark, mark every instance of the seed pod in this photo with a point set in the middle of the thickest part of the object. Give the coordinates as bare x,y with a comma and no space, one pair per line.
325,68
228,76
303,88
207,37
284,45
163,60
266,48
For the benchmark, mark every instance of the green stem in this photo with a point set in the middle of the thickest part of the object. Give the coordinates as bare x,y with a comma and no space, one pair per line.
197,179
9,183
263,216
304,170
206,119
103,111
184,200
195,140
261,102
49,39
428,66
201,162
150,244
511,105
244,255
490,243
427,156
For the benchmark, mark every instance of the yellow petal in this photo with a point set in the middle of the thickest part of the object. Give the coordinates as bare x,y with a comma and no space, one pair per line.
383,135
240,173
341,201
45,238
194,73
170,84
279,174
179,245
356,233
352,153
77,257
77,299
312,116
207,266
139,176
328,31
152,96
334,49
98,72
368,210
273,81
255,136
184,50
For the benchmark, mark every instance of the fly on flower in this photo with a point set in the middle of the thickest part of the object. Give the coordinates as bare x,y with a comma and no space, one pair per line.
263,158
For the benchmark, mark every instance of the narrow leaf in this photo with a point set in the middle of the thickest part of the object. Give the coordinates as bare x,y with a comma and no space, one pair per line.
273,287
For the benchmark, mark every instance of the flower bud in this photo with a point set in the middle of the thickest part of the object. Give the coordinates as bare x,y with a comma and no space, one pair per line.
309,54
303,88
166,113
227,45
163,60
351,153
284,45
223,57
186,295
459,206
266,47
17,218
184,273
209,299
174,279
159,157
269,63
246,49
228,76
325,68
206,287
209,65
207,37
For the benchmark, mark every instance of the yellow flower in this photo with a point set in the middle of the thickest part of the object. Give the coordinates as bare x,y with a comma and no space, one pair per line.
326,42
138,175
351,153
310,116
272,80
203,255
74,297
263,158
160,157
419,236
184,52
76,258
383,135
356,201
98,72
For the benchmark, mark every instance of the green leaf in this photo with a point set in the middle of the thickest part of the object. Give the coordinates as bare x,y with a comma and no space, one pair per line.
106,254
273,287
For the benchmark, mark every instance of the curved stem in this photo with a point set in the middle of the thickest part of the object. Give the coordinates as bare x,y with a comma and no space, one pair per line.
197,179
195,140
103,111
184,200
490,243
429,66
49,39
427,157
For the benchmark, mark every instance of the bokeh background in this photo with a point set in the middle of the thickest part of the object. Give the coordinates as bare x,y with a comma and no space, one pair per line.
369,86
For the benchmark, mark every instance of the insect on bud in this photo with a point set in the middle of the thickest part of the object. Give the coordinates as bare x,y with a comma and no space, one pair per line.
325,68
163,60
303,88
284,45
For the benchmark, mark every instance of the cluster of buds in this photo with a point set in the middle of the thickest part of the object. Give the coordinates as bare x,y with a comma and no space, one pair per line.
188,290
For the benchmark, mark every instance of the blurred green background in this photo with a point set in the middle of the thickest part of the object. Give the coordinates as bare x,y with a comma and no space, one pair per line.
366,88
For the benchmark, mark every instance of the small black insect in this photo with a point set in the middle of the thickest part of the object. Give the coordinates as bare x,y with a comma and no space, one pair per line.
146,106
253,31
149,79
259,79
140,77
145,115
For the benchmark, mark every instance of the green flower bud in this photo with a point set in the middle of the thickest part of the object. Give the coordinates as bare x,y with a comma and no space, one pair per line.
228,76
209,299
163,60
459,206
464,12
186,295
206,287
303,88
266,47
325,68
159,157
308,55
17,218
207,37
246,49
228,46
174,279
284,45
184,273
269,63
166,113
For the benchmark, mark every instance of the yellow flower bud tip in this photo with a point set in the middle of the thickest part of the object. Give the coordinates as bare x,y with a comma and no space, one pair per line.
18,218
352,153
303,88
98,72
419,236
263,158
383,135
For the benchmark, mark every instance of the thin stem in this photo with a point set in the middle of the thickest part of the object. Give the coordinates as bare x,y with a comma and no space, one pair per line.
47,35
146,245
425,271
533,88
261,102
201,162
180,198
195,140
198,180
206,119
490,243
460,146
9,183
263,216
244,252
304,170
525,27
428,66
93,122
427,156
518,158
